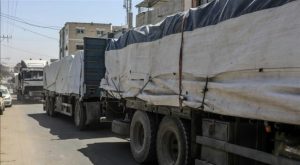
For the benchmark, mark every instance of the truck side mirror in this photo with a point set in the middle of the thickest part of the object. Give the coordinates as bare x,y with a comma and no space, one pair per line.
0,94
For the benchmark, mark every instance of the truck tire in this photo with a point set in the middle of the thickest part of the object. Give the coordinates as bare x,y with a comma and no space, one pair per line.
47,105
52,112
143,137
79,116
172,146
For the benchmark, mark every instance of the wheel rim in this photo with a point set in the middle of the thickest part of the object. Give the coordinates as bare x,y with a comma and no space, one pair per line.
170,147
139,136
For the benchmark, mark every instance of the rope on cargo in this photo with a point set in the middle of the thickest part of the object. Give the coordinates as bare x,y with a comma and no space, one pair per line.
142,89
180,60
119,92
205,89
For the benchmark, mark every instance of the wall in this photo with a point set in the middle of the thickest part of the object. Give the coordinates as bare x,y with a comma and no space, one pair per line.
162,10
159,12
69,37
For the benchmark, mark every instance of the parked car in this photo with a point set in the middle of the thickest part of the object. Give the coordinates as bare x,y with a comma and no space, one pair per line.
6,96
2,106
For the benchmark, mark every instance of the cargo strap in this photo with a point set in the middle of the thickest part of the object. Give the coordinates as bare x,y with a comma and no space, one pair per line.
205,89
118,90
180,61
142,89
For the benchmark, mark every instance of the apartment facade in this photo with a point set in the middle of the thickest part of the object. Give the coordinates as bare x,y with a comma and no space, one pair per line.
154,11
72,34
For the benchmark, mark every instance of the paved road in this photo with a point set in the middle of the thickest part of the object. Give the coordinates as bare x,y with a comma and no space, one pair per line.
30,137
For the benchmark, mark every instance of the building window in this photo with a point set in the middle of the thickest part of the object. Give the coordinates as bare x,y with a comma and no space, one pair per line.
79,47
99,32
80,30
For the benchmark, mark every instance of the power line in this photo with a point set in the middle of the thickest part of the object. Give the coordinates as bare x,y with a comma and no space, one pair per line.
14,13
37,33
25,51
27,23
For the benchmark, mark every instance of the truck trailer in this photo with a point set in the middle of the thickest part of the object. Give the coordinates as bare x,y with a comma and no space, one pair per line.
71,84
218,84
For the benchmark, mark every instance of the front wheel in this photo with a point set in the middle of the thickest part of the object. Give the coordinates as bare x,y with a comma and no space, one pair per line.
79,116
172,145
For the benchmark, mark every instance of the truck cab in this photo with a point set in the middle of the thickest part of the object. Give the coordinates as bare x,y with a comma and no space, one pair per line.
30,79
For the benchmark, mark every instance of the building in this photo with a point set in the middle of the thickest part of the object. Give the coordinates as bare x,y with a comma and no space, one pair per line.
71,35
117,32
154,11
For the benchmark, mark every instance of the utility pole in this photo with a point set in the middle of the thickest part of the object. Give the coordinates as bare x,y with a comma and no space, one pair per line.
0,40
2,37
128,6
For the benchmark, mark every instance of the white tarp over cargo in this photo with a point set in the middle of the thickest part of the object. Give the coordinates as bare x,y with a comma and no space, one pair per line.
252,64
65,76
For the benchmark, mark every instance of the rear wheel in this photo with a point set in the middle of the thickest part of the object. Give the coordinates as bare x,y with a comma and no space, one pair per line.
47,105
79,116
142,137
172,142
51,106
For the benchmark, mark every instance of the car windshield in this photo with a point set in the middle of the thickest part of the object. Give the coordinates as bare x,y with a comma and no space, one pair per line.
4,91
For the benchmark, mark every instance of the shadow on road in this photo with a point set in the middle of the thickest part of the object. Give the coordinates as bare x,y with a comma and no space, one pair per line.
63,127
109,153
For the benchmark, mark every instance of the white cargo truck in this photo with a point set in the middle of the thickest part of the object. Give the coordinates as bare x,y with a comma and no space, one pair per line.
216,85
30,80
71,84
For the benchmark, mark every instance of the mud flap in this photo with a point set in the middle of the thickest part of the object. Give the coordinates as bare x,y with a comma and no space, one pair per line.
93,112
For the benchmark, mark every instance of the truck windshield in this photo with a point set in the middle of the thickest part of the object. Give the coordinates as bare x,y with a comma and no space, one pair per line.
33,75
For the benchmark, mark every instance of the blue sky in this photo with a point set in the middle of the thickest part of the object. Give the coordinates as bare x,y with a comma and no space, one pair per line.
25,44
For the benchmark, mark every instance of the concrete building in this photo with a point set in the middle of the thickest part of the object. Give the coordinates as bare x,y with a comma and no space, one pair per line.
71,35
153,11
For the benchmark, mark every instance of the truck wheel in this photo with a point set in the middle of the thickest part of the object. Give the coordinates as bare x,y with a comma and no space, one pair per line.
47,106
172,142
51,106
142,137
79,116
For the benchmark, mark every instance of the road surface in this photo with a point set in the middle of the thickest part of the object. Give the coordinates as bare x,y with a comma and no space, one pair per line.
30,137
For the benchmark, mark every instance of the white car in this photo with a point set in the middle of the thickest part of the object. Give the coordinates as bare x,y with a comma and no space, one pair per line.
6,96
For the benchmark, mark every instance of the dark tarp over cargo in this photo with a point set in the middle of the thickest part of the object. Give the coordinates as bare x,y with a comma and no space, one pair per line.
206,15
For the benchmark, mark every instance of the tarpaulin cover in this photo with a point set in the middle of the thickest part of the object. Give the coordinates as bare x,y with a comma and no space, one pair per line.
65,76
206,15
250,63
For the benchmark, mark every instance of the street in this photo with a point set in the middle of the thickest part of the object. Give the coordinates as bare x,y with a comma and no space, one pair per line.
30,137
